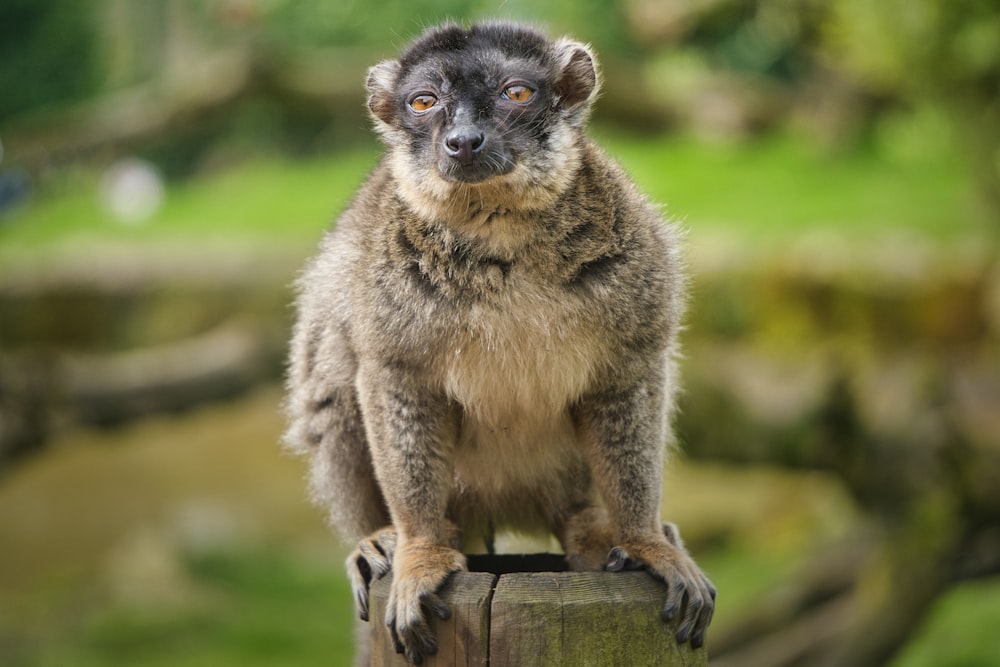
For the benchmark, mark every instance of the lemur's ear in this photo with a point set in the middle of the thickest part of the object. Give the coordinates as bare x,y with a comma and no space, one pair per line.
577,79
381,82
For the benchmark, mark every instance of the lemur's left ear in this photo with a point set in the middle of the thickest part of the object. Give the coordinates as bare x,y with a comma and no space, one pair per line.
381,82
577,79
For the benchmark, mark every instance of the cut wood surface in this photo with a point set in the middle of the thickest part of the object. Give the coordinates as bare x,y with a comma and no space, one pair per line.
543,618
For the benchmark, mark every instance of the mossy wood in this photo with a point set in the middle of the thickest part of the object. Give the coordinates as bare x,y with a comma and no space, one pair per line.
513,615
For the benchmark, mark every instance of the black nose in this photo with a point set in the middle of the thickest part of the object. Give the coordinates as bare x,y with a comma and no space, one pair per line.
462,145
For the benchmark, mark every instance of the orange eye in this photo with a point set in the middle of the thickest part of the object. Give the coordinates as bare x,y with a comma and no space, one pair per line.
518,93
422,103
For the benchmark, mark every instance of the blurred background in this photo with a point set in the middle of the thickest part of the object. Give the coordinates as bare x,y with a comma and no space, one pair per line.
166,166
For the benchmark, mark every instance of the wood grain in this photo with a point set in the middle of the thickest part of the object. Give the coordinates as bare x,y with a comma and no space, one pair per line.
517,614
462,639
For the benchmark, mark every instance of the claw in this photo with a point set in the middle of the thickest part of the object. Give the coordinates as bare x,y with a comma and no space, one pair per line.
415,641
396,644
675,598
419,572
371,560
691,618
619,559
616,560
436,606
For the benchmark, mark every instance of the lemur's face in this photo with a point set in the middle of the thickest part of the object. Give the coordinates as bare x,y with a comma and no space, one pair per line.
474,105
473,116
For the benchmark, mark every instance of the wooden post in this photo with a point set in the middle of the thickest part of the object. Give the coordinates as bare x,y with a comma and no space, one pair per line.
519,614
462,639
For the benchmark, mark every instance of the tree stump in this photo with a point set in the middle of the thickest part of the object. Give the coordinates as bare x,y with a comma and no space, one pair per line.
516,611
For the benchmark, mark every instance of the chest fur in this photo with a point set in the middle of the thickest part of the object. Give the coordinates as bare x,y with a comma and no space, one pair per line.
512,341
522,356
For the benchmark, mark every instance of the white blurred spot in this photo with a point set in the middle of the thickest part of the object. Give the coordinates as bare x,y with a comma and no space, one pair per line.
144,570
132,190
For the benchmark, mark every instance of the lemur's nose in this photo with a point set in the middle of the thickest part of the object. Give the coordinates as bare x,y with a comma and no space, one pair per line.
463,144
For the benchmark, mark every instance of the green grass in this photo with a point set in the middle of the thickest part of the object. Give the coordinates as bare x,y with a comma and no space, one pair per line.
271,201
768,189
961,630
777,187
254,608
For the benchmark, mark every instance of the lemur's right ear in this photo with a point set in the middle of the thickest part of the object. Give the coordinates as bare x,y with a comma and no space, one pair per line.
577,79
381,82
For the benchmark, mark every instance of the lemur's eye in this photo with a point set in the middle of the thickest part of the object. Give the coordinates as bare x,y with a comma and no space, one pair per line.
422,103
518,93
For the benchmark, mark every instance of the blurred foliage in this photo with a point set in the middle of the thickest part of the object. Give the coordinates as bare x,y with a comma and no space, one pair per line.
773,38
722,69
928,46
48,54
291,24
945,51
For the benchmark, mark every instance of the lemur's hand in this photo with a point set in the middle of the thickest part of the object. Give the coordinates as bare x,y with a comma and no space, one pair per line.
420,569
689,592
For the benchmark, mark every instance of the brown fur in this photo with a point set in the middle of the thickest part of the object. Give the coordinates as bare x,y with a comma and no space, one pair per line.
476,352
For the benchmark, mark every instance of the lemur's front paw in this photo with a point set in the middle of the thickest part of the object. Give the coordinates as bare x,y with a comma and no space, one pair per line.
371,560
419,571
689,592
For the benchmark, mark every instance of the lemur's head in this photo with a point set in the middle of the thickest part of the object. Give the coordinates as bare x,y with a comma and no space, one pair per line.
492,113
